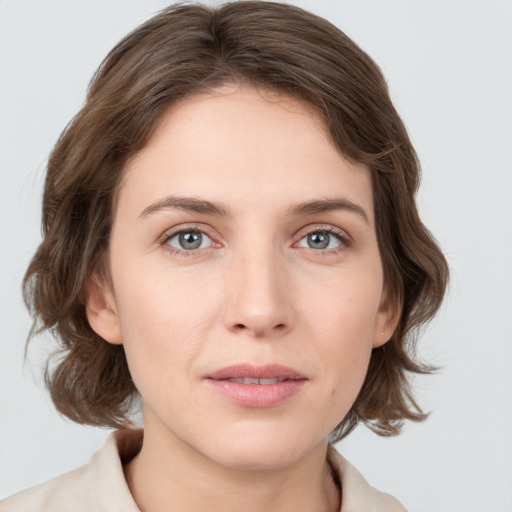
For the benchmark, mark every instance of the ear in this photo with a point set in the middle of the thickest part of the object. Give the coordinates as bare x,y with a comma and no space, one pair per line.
101,310
387,320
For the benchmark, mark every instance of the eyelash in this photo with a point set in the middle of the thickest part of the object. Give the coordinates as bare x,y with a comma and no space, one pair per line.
344,239
164,242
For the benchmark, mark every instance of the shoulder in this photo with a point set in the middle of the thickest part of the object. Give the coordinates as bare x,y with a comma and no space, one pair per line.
357,494
59,494
100,485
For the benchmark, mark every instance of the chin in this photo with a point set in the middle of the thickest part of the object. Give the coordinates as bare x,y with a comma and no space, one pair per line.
261,449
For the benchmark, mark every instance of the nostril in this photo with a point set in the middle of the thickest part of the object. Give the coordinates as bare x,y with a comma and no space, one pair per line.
243,327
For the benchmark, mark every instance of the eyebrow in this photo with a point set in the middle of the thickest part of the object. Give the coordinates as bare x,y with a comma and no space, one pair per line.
187,204
327,205
192,204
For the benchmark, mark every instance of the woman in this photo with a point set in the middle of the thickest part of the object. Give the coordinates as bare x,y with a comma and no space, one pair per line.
230,234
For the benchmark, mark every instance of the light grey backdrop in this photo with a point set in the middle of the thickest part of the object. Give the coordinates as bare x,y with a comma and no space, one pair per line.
449,66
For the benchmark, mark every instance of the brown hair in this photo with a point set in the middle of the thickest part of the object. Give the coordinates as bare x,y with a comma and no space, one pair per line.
187,49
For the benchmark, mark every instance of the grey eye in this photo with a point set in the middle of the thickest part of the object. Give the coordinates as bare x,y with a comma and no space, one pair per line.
320,240
190,240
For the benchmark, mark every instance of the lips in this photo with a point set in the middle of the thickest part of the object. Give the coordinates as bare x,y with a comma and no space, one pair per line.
256,386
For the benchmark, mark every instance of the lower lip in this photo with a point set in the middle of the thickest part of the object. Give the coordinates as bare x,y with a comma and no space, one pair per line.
256,395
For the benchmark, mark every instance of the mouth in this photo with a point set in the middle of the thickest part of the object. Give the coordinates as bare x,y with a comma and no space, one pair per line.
252,380
256,386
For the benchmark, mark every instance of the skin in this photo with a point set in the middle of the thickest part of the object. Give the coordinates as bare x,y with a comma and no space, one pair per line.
255,292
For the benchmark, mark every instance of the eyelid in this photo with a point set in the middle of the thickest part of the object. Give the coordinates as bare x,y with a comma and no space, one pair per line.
342,235
176,230
345,239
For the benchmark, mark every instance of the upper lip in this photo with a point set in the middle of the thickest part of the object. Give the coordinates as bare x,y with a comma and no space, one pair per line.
268,371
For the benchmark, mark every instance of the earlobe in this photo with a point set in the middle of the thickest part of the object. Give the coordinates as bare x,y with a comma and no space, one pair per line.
386,323
101,310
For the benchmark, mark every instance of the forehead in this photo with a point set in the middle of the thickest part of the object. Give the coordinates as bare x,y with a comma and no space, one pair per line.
243,146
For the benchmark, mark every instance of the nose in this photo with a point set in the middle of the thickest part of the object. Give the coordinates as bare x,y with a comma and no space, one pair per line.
258,295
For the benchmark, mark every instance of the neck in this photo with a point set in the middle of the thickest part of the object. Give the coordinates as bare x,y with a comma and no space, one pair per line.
170,475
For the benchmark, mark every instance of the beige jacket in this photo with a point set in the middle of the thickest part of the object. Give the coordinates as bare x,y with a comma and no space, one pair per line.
100,486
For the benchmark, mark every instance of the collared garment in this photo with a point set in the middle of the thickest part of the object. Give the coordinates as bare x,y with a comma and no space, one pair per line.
100,486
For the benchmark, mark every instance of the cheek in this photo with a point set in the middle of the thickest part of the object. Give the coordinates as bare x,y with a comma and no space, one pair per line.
343,321
163,324
343,311
348,365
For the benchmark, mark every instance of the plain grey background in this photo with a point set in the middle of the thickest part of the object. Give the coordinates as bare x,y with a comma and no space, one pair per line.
449,67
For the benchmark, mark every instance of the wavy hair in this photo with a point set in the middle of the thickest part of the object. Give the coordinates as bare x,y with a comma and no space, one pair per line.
188,49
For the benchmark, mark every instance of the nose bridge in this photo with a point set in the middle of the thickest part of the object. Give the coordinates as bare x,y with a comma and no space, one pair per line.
256,295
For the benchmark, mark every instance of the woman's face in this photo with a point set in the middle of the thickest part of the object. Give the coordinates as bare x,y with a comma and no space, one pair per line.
247,286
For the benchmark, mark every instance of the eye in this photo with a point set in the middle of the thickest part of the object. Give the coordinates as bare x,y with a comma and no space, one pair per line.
189,240
320,240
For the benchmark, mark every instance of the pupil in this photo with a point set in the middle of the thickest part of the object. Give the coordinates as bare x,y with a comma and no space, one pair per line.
190,240
318,240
